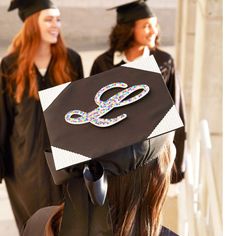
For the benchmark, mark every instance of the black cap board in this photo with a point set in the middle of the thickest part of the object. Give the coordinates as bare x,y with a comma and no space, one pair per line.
92,117
132,11
27,8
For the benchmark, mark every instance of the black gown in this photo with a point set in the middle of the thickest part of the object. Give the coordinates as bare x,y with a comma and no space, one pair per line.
37,223
166,64
23,140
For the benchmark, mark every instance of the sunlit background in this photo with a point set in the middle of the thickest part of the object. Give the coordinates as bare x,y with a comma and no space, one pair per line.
191,31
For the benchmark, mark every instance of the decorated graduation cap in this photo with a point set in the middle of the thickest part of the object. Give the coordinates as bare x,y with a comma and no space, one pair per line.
27,8
108,124
132,11
92,117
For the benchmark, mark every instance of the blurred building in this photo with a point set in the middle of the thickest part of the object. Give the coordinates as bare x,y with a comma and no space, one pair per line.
199,63
87,23
193,31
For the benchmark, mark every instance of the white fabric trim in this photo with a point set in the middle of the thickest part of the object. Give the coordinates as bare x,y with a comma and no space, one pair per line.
47,96
63,158
42,71
118,57
171,121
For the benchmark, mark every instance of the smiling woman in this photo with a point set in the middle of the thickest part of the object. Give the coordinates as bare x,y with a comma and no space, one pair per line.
49,24
37,59
136,35
146,32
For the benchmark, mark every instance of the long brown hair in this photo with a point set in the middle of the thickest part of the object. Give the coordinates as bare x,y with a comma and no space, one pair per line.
121,37
136,199
25,45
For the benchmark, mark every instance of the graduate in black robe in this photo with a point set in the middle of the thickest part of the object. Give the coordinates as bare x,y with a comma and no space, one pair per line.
37,60
136,35
115,159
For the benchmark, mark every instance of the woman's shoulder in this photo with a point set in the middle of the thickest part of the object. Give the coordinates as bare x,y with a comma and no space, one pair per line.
9,63
167,232
73,53
105,56
37,223
9,59
75,61
159,53
74,58
103,62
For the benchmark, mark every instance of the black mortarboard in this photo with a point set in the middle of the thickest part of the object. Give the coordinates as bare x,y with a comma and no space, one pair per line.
92,117
110,123
28,7
132,11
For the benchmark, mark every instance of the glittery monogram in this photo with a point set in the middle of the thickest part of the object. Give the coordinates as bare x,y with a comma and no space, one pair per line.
94,117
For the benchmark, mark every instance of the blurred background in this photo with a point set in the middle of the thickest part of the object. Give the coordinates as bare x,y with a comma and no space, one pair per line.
191,31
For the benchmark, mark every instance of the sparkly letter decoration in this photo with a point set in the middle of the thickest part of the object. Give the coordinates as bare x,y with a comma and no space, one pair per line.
77,117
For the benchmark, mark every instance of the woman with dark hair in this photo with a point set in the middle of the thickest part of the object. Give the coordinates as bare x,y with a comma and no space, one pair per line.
135,200
134,36
37,59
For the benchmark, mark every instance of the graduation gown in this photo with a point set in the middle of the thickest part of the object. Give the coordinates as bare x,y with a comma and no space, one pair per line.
110,152
37,223
166,64
23,140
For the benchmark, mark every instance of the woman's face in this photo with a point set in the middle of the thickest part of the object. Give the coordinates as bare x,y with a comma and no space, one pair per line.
145,32
49,25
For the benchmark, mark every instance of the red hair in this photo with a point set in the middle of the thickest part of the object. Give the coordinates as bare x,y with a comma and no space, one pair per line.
25,45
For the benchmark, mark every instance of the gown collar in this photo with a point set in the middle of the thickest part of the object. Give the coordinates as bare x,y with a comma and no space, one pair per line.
118,57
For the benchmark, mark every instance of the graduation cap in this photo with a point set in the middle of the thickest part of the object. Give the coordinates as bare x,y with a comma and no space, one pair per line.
96,116
110,123
132,11
27,8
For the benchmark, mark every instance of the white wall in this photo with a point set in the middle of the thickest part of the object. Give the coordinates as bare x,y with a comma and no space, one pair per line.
104,3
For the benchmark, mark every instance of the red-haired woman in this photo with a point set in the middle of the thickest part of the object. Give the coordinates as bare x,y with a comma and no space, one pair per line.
37,59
